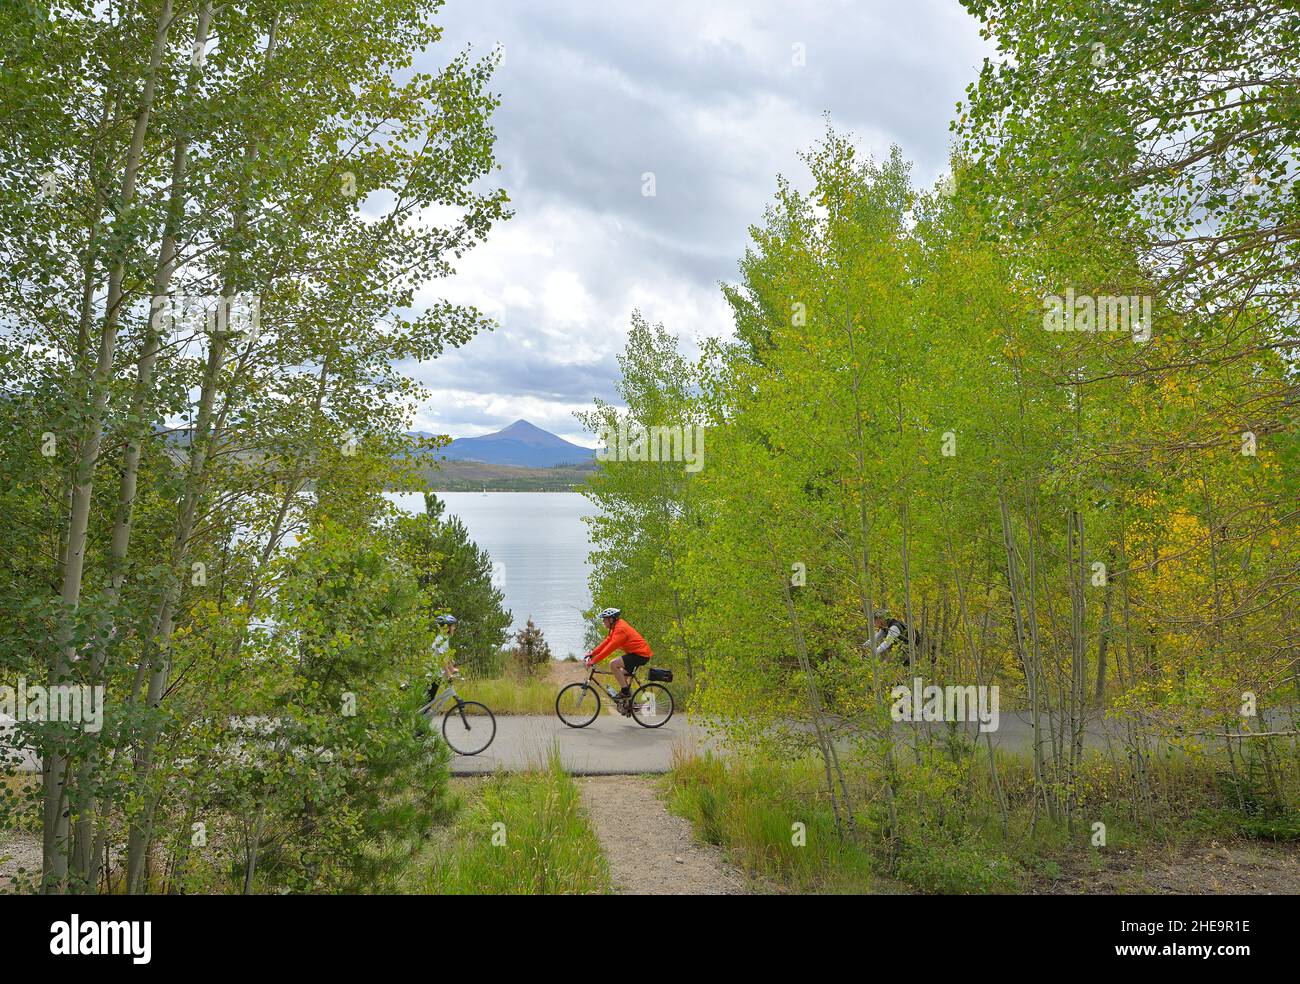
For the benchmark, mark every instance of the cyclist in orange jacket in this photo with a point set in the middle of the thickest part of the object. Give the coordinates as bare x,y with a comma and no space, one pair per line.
636,653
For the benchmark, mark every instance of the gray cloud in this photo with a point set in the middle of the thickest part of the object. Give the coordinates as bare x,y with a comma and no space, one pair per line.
708,98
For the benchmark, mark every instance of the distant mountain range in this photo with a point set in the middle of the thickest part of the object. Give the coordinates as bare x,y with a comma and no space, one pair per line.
521,445
470,476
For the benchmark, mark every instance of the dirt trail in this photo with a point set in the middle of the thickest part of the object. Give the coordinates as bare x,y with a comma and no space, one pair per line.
651,851
1242,868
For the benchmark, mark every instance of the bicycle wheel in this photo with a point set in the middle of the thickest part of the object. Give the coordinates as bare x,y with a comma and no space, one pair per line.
578,704
652,705
469,727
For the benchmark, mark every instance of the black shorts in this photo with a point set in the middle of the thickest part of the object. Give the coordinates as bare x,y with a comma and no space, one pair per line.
632,663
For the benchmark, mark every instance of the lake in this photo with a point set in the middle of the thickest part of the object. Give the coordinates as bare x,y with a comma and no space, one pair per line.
538,544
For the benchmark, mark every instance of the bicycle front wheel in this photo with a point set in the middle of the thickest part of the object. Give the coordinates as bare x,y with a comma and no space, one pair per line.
578,704
469,727
652,705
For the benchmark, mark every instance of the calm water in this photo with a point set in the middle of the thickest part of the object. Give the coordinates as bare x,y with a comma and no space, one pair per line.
540,541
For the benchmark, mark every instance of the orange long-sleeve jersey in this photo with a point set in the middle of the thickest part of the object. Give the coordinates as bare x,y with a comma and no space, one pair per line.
622,636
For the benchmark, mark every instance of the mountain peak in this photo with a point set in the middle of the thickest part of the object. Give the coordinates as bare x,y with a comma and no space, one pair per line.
521,427
522,444
526,433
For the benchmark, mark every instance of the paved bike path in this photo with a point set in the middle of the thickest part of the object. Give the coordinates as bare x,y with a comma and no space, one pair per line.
610,745
615,745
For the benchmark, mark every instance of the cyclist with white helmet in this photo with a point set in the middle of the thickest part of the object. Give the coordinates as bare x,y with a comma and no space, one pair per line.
442,652
636,653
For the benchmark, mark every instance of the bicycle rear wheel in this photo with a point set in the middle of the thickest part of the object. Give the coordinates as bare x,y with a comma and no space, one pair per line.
469,727
652,705
578,704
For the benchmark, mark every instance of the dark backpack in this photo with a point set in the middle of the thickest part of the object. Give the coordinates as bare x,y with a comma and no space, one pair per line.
902,633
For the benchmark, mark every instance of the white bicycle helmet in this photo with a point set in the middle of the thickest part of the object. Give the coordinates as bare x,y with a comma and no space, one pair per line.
611,613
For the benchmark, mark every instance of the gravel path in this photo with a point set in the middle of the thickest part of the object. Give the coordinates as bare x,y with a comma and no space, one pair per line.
18,850
651,851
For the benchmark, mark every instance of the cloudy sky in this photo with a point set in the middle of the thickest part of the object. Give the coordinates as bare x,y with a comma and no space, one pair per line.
709,96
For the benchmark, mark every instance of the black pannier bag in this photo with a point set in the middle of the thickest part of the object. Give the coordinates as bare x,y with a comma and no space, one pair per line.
661,676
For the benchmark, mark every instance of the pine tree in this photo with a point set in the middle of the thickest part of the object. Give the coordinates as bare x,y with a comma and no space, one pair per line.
531,653
456,576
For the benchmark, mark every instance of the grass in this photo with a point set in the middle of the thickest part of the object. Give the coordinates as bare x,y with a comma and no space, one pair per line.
771,821
511,695
515,834
774,819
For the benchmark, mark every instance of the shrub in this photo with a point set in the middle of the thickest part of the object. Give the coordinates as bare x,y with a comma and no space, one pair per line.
531,654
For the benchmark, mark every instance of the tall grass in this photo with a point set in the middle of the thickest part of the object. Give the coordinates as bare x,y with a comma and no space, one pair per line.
949,837
774,819
511,695
525,834
771,821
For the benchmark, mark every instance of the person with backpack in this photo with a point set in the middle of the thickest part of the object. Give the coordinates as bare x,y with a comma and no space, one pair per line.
890,631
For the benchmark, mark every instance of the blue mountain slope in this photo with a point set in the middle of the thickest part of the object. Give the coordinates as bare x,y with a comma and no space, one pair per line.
521,444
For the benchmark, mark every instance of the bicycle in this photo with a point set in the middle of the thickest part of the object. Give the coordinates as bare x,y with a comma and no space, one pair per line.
651,704
461,719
